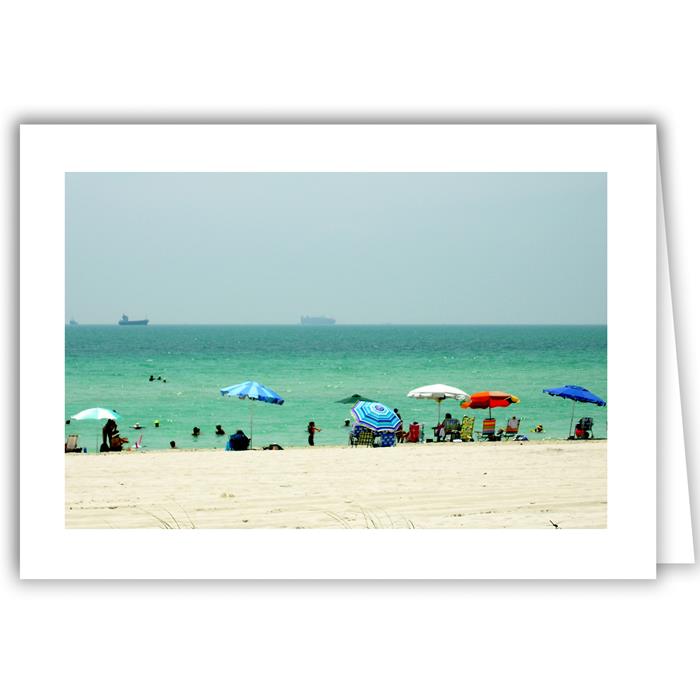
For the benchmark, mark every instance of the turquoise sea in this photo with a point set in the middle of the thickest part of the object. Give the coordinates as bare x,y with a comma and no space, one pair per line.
312,367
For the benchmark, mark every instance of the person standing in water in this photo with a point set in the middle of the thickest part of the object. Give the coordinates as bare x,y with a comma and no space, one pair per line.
312,430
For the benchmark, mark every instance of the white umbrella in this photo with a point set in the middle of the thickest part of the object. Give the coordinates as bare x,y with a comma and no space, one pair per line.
96,414
438,393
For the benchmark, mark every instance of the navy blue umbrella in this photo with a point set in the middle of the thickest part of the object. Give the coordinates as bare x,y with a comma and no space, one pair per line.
577,394
255,392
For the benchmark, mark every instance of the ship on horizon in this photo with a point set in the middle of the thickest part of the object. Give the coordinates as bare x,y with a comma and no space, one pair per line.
73,322
317,321
124,321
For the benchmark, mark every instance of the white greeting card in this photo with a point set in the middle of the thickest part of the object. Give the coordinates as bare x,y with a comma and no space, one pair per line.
516,264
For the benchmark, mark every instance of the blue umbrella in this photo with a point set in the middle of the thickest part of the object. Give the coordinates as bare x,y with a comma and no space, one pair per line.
255,392
375,416
577,394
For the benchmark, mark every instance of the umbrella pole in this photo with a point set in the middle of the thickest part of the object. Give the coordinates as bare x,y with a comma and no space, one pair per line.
571,425
251,423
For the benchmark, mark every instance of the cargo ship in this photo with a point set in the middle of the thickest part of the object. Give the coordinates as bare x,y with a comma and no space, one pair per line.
124,321
317,321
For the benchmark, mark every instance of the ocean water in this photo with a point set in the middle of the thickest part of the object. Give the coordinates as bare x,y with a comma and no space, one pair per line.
312,368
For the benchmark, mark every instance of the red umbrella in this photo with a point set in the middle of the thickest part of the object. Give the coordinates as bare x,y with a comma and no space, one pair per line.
490,399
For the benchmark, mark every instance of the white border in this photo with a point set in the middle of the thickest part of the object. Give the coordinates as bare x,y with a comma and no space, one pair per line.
626,549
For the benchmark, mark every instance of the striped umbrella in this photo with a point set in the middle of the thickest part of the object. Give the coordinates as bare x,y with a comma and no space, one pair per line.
255,392
375,416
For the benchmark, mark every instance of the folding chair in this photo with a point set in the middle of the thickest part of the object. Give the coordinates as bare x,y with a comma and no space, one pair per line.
365,437
488,430
512,428
467,430
71,444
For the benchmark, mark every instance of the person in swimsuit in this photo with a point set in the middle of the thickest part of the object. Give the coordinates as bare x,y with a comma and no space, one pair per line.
312,430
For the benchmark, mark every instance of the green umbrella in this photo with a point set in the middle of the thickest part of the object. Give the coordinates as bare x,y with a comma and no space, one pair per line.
354,399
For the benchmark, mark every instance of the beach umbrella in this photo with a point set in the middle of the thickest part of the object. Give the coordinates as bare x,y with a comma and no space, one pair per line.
255,392
438,393
375,416
354,398
490,399
96,413
576,394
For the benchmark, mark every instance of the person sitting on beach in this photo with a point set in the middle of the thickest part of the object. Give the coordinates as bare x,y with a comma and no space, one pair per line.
311,429
452,426
220,430
238,442
439,432
172,444
196,431
579,431
273,446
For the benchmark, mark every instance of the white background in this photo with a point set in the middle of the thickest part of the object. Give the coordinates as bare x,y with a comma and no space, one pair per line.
598,61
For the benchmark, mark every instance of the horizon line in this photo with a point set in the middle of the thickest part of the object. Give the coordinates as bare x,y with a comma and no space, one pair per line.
300,325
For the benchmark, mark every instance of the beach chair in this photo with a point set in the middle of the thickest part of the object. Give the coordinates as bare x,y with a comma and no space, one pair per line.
387,439
452,429
71,444
365,437
467,429
488,430
584,429
413,433
512,428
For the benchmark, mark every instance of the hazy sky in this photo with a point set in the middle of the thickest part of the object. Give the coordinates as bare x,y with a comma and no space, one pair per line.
360,247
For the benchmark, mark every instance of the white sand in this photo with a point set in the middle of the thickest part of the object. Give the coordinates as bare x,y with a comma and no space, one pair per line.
486,485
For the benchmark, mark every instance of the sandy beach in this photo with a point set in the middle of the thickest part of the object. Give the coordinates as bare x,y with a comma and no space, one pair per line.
452,485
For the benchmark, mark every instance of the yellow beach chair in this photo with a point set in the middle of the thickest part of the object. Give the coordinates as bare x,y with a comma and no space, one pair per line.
366,438
466,432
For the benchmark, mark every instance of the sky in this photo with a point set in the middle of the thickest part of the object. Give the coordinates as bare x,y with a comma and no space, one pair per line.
423,248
